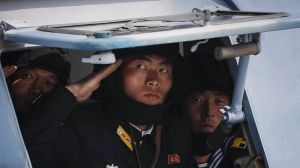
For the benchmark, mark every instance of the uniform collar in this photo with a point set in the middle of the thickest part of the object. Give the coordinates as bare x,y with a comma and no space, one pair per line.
146,132
202,165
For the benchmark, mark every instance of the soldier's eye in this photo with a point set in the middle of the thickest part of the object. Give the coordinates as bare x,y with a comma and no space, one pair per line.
163,69
27,76
220,102
140,66
197,99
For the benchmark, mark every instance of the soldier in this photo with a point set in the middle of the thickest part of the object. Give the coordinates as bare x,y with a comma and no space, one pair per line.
29,80
130,128
208,92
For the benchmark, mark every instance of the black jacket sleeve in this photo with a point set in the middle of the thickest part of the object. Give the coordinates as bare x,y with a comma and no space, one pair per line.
45,129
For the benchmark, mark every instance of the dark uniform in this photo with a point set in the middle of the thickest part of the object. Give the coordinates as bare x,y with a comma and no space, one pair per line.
91,137
232,153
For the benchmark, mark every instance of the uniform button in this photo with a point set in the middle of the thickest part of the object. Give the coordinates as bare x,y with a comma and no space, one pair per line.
140,143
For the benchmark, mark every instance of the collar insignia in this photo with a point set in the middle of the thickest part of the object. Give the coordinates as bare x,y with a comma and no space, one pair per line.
124,136
239,142
173,159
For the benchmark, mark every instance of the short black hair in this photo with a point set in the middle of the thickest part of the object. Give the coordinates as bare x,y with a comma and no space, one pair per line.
209,75
168,51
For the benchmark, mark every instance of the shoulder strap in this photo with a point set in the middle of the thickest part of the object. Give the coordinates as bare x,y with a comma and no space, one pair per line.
157,145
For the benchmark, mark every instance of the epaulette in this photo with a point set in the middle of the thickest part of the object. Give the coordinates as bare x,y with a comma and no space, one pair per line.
238,142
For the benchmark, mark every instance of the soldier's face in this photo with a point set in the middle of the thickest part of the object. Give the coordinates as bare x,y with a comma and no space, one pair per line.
29,84
147,79
202,110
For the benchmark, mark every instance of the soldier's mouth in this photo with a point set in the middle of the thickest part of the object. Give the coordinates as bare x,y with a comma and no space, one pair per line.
152,96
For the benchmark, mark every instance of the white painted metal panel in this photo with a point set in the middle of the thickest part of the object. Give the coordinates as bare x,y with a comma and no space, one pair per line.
49,12
273,87
217,27
12,149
